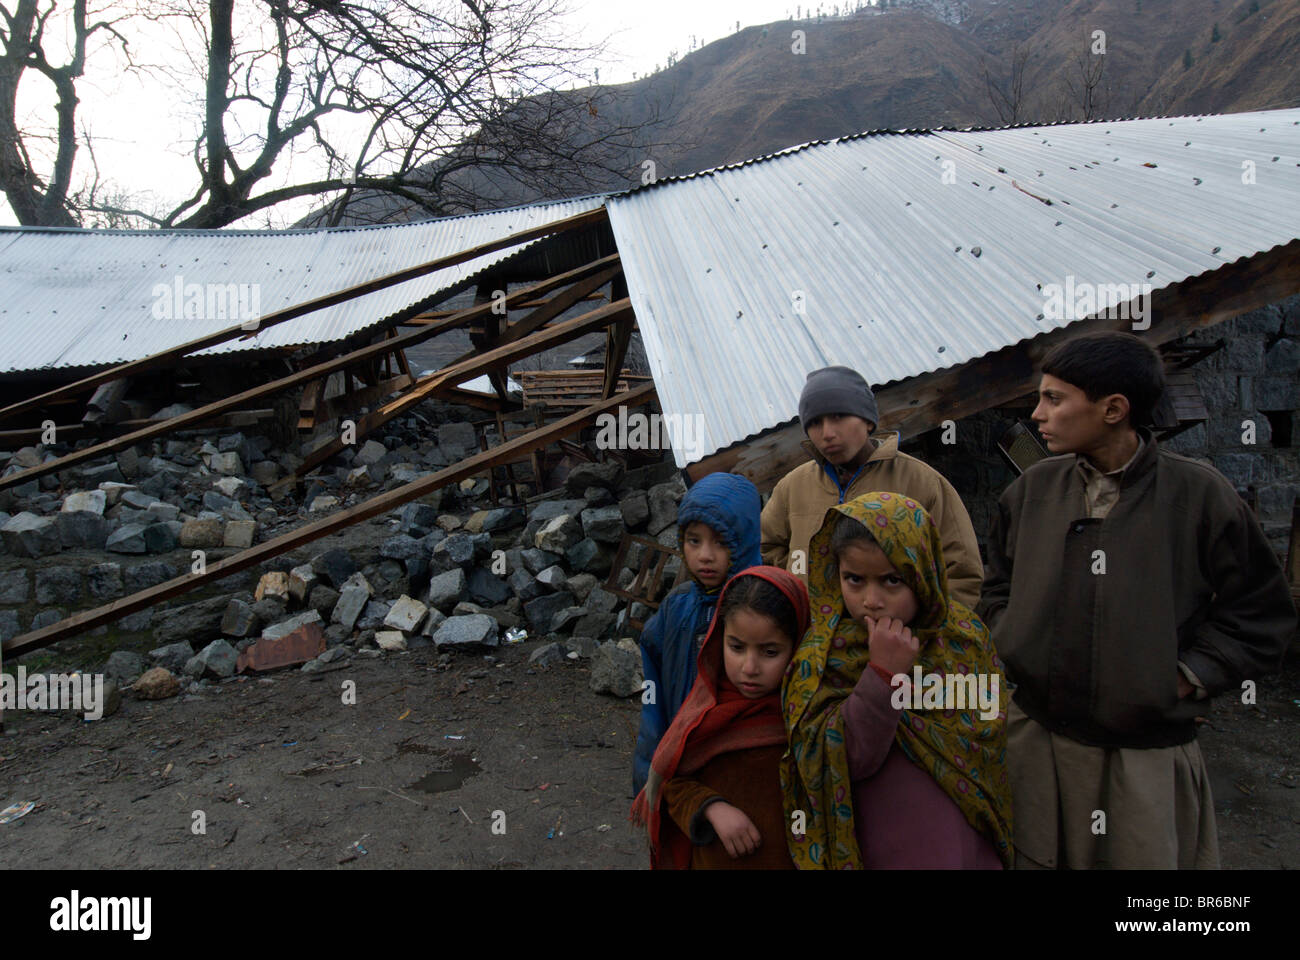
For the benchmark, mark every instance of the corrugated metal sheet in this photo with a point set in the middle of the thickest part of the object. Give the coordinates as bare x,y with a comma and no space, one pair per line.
861,251
77,298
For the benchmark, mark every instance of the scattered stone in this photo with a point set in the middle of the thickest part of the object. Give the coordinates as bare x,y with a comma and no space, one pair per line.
45,618
229,486
218,659
558,534
8,624
147,574
161,537
264,472
138,500
239,620
240,533
123,665
371,452
323,599
172,656
89,501
473,630
353,598
113,491
373,614
663,499
635,509
603,524
446,589
597,625
273,584
448,522
547,655
301,581
110,699
194,623
358,477
457,440
162,512
581,585
542,611
475,522
584,647
525,586
392,641
616,669
403,548
487,588
503,518
535,561
201,533
286,627
553,578
597,496
406,614
29,535
560,622
600,600
334,566
157,684
588,556
228,464
323,502
94,476
584,475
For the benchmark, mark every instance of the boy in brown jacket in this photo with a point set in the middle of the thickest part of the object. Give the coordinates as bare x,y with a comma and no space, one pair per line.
1126,585
838,412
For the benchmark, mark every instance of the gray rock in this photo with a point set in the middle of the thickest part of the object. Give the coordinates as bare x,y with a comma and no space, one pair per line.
134,622
216,502
58,585
600,600
8,624
89,501
663,499
446,589
286,627
128,462
334,566
124,665
457,440
562,621
228,464
29,535
597,496
111,699
138,499
558,534
584,647
584,475
193,668
406,614
161,537
486,588
336,634
14,587
161,511
432,622
239,534
547,655
635,509
581,585
616,669
302,579
527,587
372,617
599,625
201,533
535,561
418,519
128,538
468,631
195,622
264,472
405,549
323,599
588,556
105,473
239,619
45,618
462,549
371,452
603,524
148,574
504,518
218,659
542,611
172,656
552,578
353,598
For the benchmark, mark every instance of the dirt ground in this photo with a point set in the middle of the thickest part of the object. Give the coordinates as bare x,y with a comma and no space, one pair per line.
413,775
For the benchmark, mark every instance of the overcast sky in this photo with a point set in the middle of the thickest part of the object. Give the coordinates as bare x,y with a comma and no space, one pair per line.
144,131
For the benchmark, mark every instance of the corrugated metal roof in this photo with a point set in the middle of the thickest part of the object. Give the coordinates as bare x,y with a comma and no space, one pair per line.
79,298
875,238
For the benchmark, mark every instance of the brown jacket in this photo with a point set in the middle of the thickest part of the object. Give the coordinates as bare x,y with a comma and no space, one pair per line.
801,498
1188,576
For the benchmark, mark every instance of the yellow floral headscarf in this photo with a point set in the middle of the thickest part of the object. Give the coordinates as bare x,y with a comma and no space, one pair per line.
964,753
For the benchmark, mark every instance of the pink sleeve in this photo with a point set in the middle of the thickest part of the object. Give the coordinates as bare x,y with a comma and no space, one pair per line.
870,722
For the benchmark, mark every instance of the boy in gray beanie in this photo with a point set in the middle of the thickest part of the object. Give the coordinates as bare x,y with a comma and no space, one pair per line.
838,413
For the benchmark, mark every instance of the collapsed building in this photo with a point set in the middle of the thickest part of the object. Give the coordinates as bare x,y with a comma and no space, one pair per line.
240,396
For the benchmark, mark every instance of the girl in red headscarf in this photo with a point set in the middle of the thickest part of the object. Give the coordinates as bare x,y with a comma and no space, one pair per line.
713,798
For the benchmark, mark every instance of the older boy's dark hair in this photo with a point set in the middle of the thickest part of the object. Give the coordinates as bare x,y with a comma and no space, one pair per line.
847,532
1100,364
749,592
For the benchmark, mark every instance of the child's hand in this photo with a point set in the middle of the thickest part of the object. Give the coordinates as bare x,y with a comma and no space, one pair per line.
1185,689
892,645
737,832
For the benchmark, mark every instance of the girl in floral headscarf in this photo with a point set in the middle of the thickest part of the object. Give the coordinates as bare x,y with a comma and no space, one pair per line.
878,776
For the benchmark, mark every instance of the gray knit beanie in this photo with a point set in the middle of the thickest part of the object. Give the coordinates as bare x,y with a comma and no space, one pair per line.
836,390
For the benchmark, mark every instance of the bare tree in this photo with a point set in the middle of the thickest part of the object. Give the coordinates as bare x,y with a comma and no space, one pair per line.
432,104
1007,94
1085,97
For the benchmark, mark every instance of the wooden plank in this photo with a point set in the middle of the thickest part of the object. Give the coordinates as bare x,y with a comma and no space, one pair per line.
921,403
172,354
448,377
617,339
89,619
350,402
344,362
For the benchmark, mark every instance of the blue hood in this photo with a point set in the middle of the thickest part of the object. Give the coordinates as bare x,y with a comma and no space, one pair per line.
729,504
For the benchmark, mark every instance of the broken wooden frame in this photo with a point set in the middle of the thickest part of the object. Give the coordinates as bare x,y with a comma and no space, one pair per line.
165,357
599,267
383,503
647,583
923,402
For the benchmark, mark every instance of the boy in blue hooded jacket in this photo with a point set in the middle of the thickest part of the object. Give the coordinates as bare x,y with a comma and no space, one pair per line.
718,531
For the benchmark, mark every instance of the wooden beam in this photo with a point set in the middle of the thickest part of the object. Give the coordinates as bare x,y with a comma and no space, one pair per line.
89,619
617,338
350,402
344,362
170,355
449,377
922,402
